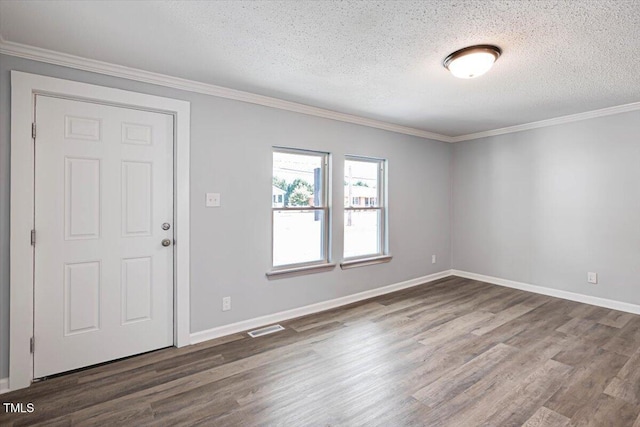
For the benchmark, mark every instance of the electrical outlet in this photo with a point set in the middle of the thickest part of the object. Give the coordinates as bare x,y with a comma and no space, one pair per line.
226,303
592,277
212,200
433,259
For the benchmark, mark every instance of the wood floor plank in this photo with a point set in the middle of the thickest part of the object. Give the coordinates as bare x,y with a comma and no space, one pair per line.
545,417
578,352
471,405
625,390
631,370
518,407
606,411
510,298
342,314
542,321
576,326
463,377
455,352
586,383
390,411
589,312
600,334
188,382
138,415
425,365
621,346
616,319
506,316
627,340
171,354
435,310
457,326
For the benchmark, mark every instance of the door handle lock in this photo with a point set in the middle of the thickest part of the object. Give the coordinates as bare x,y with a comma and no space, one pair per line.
166,242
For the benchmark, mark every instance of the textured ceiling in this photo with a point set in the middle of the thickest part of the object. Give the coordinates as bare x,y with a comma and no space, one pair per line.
380,60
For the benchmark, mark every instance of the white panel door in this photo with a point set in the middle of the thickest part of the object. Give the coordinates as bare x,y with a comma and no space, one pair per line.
103,198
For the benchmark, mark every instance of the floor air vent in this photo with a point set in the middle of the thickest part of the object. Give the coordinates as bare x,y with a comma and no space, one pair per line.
265,331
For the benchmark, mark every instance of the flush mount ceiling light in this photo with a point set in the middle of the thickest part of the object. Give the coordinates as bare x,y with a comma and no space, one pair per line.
472,61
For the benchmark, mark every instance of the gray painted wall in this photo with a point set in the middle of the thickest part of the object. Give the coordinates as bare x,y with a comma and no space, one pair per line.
546,206
230,250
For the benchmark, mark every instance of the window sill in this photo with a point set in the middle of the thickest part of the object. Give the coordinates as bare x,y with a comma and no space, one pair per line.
362,262
298,271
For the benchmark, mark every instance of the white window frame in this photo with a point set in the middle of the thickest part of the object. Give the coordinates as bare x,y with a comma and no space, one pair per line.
312,266
24,88
382,207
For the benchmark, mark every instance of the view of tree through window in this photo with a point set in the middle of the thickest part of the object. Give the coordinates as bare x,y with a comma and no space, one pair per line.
299,207
363,207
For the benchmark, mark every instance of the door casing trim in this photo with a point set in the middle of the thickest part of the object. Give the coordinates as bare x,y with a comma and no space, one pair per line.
24,87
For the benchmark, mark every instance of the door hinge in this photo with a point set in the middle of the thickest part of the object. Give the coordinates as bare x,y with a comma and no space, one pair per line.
31,344
33,130
33,237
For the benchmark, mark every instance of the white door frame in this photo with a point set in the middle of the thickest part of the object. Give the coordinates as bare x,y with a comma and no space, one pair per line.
24,88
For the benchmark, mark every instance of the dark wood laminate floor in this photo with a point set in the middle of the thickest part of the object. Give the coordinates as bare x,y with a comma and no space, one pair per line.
456,352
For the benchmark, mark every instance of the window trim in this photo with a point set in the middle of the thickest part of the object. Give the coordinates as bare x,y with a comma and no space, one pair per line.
325,207
381,206
300,270
363,262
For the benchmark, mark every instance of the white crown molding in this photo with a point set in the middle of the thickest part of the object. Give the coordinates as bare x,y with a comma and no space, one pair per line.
551,122
257,322
571,296
114,70
80,63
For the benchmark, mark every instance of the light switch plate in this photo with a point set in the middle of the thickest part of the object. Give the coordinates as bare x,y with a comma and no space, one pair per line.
212,200
592,277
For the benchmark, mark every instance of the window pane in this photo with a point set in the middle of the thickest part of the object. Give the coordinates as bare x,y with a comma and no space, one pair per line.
297,236
361,233
360,183
298,179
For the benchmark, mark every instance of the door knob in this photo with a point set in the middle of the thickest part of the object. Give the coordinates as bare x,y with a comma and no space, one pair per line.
166,242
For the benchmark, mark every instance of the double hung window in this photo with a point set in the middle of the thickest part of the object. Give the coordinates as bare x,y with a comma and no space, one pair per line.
364,208
299,212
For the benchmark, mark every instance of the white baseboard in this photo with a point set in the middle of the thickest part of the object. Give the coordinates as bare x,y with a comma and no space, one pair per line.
572,296
257,322
209,334
4,385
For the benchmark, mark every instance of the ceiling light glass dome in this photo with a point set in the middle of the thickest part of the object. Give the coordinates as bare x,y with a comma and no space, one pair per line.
472,61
